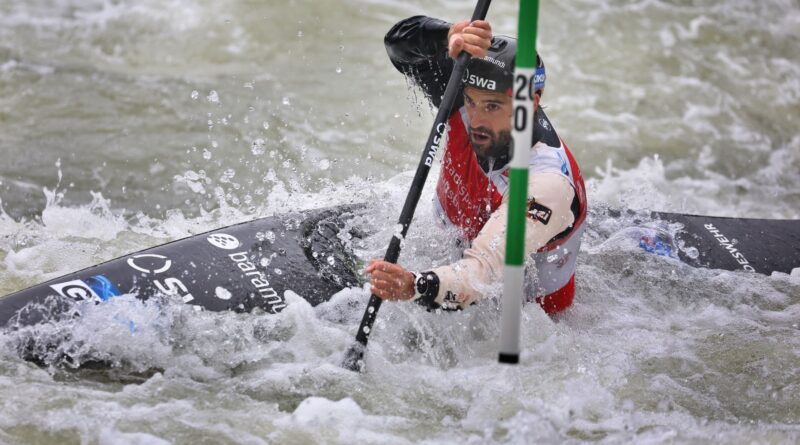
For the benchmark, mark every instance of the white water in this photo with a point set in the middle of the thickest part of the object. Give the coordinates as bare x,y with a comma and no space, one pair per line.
98,107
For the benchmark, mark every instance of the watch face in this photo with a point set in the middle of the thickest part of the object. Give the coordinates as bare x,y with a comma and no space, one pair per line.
422,285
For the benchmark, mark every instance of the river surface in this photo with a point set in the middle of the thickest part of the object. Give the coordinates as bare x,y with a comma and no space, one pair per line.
125,124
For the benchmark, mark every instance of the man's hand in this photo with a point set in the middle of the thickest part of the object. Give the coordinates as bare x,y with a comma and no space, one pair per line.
390,281
472,37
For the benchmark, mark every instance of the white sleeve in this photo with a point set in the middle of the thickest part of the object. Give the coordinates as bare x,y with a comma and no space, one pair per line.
482,264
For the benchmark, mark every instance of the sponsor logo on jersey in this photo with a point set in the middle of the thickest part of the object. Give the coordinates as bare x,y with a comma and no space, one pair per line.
451,301
223,241
728,245
543,122
538,212
560,259
564,168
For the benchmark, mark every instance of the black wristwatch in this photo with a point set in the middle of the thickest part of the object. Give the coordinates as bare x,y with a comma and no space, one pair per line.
426,287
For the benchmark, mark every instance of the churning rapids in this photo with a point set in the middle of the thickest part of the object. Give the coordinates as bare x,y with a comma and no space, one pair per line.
125,124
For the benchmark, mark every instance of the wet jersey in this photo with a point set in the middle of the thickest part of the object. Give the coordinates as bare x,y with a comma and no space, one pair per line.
467,197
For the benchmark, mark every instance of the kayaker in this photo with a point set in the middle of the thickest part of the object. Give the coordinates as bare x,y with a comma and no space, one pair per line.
471,192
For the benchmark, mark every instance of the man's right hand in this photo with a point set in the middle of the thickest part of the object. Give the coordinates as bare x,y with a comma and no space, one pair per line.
472,37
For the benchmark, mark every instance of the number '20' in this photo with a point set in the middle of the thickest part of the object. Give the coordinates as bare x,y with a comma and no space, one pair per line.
523,83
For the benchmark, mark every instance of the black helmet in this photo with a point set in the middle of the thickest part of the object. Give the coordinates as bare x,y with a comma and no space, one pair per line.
495,71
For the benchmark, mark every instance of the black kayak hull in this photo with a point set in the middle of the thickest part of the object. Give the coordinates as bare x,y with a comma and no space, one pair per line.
251,265
752,245
235,268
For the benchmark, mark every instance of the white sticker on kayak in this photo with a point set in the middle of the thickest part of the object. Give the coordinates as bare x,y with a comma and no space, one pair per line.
223,241
75,289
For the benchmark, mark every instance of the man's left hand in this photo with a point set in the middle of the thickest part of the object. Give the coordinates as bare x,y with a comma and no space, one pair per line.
390,281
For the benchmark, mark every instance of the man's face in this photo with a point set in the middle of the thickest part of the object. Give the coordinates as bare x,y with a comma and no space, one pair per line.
489,121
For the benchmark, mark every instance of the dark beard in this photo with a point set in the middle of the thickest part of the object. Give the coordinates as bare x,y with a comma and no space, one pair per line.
498,152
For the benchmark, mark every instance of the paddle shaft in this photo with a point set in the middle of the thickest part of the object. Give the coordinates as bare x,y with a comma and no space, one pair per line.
356,352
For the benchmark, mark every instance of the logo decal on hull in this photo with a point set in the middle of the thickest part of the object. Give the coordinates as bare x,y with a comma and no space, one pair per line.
97,288
76,290
103,287
223,241
728,245
167,263
153,263
259,281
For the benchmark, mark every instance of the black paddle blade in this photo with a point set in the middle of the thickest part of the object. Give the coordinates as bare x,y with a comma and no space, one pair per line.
354,358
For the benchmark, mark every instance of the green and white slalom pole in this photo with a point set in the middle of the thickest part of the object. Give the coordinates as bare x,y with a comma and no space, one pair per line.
514,271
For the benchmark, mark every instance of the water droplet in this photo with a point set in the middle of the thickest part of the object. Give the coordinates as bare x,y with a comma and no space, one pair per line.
692,253
324,164
206,154
270,236
259,147
213,97
278,271
338,70
222,293
366,329
331,260
286,101
195,95
371,309
265,125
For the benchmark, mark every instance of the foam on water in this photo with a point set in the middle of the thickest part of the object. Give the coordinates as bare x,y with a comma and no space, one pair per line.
704,354
674,187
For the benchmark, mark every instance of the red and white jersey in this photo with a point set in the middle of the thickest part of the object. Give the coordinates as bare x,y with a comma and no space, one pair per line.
466,197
